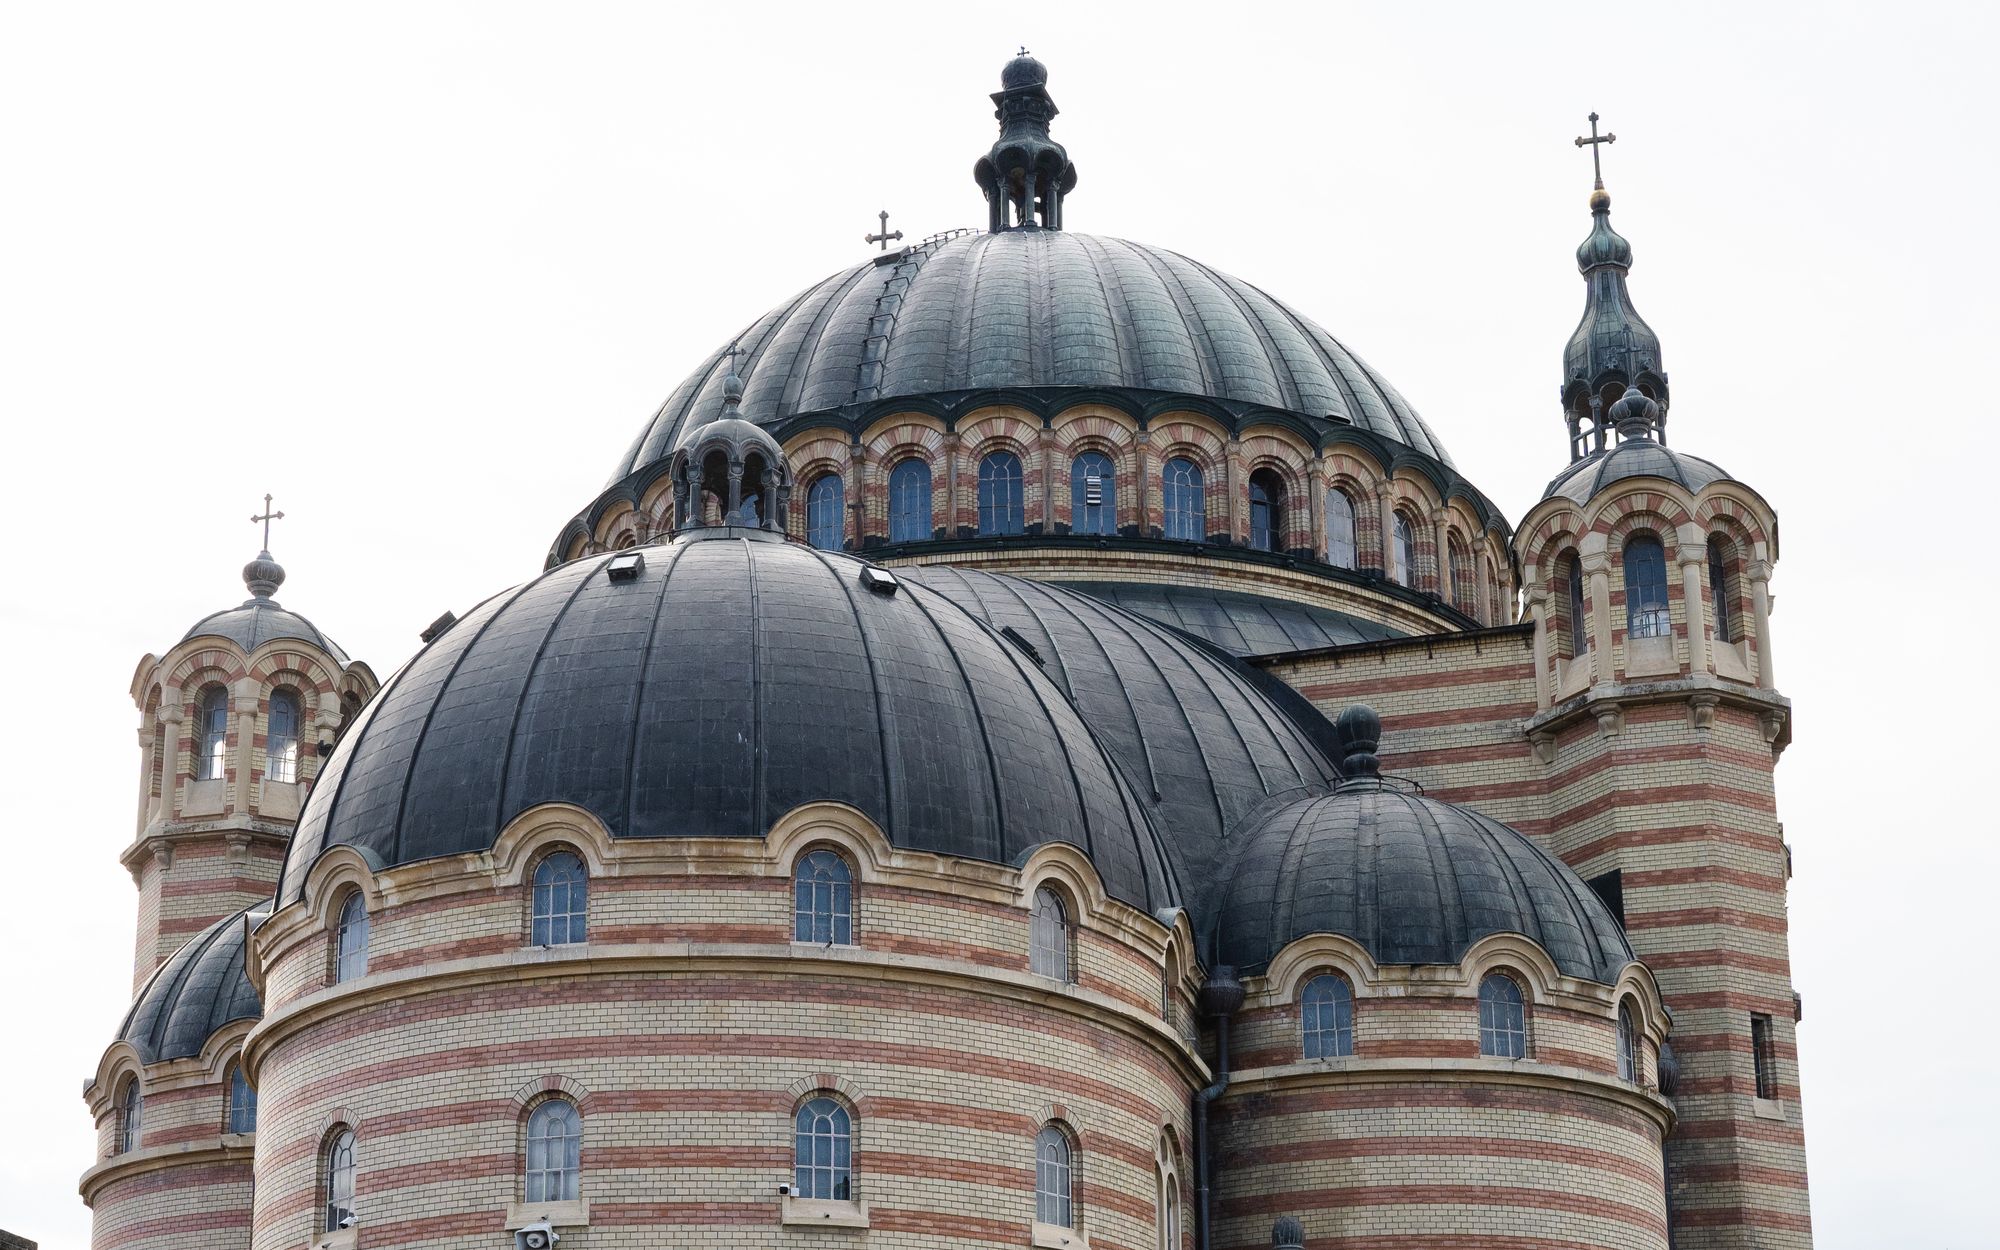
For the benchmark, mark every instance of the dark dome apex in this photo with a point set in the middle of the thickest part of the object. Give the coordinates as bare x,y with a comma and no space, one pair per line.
1635,457
732,678
1413,880
1024,71
260,619
201,988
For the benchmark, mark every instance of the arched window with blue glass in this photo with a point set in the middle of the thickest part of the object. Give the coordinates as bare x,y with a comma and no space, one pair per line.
910,501
1093,498
1267,510
826,512
211,744
1340,551
1181,500
1646,613
242,1101
281,737
1326,1017
350,940
1000,494
560,909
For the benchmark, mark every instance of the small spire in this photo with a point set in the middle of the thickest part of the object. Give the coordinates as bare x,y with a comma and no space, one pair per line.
1026,174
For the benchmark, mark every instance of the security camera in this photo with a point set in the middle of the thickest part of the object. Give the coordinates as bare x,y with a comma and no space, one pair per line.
788,1190
536,1236
348,1220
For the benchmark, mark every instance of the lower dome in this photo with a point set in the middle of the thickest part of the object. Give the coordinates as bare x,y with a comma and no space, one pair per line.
201,988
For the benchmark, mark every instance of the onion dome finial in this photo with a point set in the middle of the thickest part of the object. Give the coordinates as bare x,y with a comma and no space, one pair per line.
1360,732
1026,174
263,576
1288,1233
1636,414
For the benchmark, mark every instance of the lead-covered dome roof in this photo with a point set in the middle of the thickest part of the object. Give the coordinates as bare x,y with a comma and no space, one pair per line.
260,618
734,677
1028,309
1633,457
201,988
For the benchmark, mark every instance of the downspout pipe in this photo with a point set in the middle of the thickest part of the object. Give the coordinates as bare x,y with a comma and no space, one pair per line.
1221,998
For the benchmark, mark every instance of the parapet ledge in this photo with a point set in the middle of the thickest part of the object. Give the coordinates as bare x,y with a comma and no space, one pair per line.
1702,693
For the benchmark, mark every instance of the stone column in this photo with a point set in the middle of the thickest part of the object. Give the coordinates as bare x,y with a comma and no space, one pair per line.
1760,600
1385,516
1538,600
1447,590
149,736
1694,568
171,715
1483,589
856,523
951,446
1596,562
244,704
1316,509
1237,482
1142,457
1046,441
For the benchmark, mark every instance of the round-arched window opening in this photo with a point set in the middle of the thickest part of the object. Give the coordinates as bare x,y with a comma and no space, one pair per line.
1267,511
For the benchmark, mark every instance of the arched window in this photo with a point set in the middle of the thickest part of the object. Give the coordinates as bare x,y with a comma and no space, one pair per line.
242,1102
131,1116
1048,936
1267,511
1000,494
1180,498
826,512
910,501
337,1181
211,744
555,1151
823,1151
1645,588
1579,630
1503,1023
1171,1225
1093,495
1405,553
823,899
1628,1044
1052,1177
281,738
1463,595
1718,588
561,909
350,959
1326,1017
1339,529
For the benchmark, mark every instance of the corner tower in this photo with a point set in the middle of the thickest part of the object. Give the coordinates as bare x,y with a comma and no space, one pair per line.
1657,730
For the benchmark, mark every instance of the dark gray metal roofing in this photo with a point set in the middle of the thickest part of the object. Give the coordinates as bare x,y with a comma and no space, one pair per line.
1241,624
1415,881
258,621
1200,741
735,678
1035,308
201,988
1634,457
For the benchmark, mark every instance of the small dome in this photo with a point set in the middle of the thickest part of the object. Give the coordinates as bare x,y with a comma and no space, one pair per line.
1634,457
1415,881
1024,71
726,679
201,988
1604,246
260,619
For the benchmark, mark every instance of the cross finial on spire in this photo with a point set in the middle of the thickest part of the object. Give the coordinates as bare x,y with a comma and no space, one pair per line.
268,517
1024,49
735,350
884,237
1596,166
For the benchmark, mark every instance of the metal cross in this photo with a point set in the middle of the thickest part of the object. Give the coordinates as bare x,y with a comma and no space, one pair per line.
884,237
735,350
268,517
1592,142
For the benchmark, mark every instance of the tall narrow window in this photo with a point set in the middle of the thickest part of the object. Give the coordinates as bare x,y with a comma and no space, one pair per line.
555,1152
1503,1025
1326,1017
1339,529
1579,629
1718,588
281,738
1267,511
131,1116
350,958
561,910
822,1151
337,1181
823,900
242,1102
1181,500
910,501
211,745
1764,1054
1405,552
1000,509
1463,596
1093,495
1645,588
826,512
1172,1223
1048,936
1628,1044
1052,1177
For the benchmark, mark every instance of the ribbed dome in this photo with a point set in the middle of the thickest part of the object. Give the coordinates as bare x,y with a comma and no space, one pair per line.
259,621
1634,457
1202,738
1035,309
1415,881
734,678
200,989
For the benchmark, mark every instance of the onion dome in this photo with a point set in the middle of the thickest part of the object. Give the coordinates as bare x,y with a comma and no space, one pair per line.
1612,347
201,988
1204,739
1023,71
1026,174
1413,880
260,619
706,686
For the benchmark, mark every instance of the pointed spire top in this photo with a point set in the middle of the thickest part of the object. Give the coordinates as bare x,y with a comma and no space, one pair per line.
1613,354
1026,174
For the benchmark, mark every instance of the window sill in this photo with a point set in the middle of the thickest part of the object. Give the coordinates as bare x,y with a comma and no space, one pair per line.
341,1240
1767,1108
824,1213
1056,1237
572,1214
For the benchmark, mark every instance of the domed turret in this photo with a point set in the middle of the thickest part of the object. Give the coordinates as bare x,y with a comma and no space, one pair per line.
261,618
1027,174
732,468
1613,348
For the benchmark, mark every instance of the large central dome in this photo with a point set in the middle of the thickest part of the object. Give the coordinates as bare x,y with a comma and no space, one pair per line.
1025,309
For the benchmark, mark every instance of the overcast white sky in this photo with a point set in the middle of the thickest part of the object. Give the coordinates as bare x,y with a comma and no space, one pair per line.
422,271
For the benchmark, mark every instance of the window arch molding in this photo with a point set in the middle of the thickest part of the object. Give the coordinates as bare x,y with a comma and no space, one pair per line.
341,870
541,831
835,827
1065,869
1291,969
1515,956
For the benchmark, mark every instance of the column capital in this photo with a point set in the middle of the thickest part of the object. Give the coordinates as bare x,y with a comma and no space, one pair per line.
1758,571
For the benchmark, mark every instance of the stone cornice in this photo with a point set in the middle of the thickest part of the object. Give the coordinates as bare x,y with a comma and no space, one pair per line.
1519,1073
1702,693
169,833
222,1148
